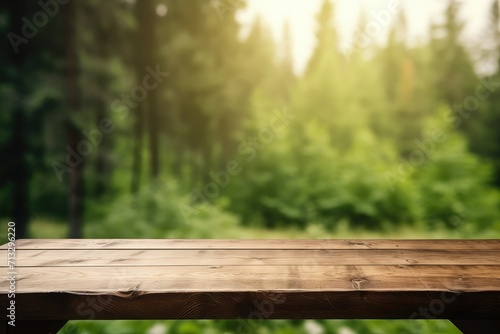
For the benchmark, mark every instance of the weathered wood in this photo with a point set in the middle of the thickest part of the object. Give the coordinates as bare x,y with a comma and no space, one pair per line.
256,257
445,244
145,280
268,279
261,304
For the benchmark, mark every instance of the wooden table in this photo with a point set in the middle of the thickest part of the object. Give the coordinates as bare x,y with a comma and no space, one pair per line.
59,280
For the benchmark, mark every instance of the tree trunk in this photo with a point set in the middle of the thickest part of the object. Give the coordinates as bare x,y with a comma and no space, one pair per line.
19,146
138,143
20,174
146,48
146,19
76,192
100,163
154,136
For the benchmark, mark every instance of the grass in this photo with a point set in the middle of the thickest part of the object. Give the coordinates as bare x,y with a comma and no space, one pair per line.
48,229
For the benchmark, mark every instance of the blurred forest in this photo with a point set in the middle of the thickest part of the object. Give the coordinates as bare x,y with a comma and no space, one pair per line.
160,119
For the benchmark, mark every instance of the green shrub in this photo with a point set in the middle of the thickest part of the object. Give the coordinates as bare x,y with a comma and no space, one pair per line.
453,185
161,212
300,178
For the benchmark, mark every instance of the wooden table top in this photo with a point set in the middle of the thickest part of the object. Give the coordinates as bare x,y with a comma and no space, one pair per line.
267,279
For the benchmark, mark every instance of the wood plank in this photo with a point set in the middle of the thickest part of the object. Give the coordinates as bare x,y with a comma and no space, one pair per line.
258,257
132,281
445,244
228,279
251,307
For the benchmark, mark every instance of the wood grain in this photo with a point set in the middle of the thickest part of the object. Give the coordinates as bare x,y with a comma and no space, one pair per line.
256,305
271,279
254,257
126,280
445,244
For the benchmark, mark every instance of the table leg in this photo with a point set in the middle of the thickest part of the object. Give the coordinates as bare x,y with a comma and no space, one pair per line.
477,326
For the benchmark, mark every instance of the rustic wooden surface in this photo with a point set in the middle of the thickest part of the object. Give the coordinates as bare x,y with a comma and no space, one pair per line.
253,279
447,244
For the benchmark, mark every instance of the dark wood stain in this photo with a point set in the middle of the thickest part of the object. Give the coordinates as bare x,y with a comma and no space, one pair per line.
276,279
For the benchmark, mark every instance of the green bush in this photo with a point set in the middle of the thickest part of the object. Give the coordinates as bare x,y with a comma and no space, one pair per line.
161,212
300,178
453,185
262,327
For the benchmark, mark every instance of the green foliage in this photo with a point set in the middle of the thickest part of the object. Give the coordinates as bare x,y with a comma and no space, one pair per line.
301,177
359,158
262,327
160,212
454,185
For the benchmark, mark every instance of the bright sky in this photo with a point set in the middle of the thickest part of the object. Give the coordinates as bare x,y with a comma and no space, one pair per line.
301,17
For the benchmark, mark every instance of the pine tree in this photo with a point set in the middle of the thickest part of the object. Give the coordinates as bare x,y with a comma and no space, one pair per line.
76,190
326,36
482,132
286,77
455,72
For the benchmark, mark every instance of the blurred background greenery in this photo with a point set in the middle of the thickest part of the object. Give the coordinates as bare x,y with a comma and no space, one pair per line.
162,119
